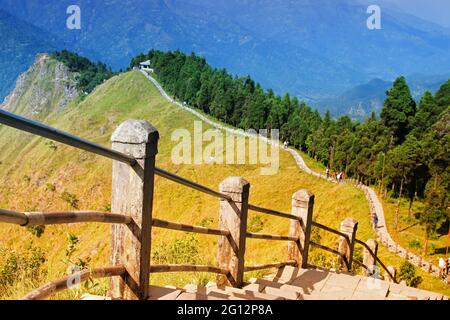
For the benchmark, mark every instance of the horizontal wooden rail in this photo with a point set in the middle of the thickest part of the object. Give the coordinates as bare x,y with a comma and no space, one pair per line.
65,283
360,264
186,268
270,237
324,227
376,258
320,246
13,217
270,265
160,268
34,127
185,182
272,212
314,244
47,218
188,228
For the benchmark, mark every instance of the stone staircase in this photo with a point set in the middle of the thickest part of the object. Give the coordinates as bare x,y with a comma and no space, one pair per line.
290,283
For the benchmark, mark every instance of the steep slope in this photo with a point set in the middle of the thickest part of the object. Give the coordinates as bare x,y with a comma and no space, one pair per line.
38,176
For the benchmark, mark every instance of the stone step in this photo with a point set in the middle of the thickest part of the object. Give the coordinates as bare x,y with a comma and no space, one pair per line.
276,285
251,295
256,287
164,293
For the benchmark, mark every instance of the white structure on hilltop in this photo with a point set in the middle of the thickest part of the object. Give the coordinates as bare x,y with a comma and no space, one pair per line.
145,65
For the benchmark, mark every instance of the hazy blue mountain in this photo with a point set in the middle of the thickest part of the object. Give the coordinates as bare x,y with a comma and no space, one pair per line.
19,44
314,49
359,101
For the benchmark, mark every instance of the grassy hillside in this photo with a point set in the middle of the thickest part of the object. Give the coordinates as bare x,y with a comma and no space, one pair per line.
37,175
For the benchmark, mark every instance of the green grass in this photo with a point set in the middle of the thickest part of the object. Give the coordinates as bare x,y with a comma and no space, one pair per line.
410,233
29,166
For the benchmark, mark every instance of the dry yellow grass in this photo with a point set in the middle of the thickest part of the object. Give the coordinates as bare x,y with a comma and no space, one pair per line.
29,166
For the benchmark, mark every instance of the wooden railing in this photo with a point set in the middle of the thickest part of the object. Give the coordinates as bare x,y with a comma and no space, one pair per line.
134,149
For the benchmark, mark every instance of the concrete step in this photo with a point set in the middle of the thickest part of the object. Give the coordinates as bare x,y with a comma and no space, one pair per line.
251,295
262,288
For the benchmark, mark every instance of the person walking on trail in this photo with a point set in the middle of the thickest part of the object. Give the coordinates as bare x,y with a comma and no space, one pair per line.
334,175
448,266
374,221
286,144
328,173
442,268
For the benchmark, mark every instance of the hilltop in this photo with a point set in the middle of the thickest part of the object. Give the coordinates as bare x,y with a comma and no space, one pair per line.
38,175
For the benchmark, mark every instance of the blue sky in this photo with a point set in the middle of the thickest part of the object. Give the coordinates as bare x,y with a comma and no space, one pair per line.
437,11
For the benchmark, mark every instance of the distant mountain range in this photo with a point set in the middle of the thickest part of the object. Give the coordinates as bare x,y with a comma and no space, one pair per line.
19,44
360,101
314,49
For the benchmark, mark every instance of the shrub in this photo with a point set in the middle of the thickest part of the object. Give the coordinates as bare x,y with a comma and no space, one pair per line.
408,273
52,145
255,224
415,243
206,222
71,199
50,187
18,267
36,231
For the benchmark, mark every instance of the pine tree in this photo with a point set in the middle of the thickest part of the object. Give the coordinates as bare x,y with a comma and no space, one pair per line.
398,110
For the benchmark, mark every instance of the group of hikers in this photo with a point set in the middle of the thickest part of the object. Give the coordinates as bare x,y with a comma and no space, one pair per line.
336,176
444,267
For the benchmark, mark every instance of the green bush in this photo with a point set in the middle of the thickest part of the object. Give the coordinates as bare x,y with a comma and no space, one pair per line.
17,267
408,274
70,198
206,222
415,244
255,224
36,231
50,187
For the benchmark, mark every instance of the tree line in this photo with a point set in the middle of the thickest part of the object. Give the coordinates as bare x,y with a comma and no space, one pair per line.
405,152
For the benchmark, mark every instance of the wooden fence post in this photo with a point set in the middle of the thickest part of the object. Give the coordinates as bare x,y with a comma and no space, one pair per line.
302,207
233,217
393,271
132,194
348,227
368,260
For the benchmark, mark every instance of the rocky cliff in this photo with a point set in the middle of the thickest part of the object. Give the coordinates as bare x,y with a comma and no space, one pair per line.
47,85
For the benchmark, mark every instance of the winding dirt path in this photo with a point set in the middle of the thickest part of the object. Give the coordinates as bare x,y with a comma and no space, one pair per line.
375,205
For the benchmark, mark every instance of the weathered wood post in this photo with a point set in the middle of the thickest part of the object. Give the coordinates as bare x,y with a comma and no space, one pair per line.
132,194
302,207
370,260
393,271
348,227
233,217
